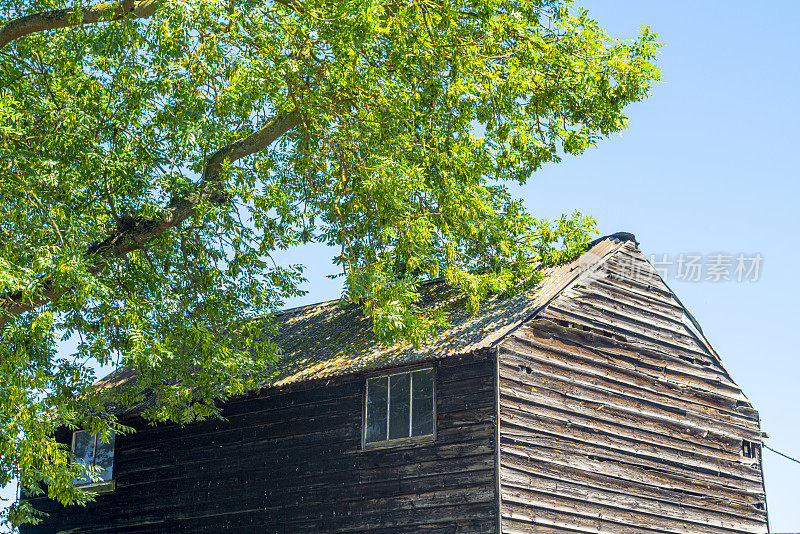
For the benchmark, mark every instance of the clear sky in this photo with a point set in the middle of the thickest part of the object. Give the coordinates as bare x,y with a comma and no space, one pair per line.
705,168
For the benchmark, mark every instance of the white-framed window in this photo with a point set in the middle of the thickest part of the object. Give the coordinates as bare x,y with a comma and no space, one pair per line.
400,407
88,448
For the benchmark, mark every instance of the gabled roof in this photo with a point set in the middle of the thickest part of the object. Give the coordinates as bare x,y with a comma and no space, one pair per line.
626,300
329,339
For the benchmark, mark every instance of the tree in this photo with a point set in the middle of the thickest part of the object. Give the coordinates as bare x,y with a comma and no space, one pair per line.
155,155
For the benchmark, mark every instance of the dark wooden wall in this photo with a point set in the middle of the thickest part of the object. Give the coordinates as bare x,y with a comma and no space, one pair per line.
290,460
615,417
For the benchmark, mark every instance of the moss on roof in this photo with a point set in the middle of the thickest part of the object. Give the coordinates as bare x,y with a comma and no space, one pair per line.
329,339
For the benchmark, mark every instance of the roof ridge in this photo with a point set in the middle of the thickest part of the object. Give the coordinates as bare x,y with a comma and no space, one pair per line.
295,309
617,236
570,279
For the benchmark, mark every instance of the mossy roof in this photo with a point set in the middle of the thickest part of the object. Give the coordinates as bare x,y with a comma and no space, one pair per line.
329,339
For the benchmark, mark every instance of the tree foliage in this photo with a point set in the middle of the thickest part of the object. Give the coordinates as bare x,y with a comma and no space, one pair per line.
154,156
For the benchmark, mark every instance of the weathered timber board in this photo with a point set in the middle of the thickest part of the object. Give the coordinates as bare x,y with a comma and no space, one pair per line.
290,460
617,417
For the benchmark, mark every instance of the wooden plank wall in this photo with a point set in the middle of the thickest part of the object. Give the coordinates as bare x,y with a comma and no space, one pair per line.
616,419
290,460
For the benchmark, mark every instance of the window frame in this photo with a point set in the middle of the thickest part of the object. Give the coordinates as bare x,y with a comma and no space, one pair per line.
751,449
405,441
101,486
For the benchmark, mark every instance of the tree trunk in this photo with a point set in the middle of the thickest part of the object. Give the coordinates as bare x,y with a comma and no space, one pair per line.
64,18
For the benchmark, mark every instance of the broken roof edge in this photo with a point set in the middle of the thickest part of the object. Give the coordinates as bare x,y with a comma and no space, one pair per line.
620,236
694,326
697,331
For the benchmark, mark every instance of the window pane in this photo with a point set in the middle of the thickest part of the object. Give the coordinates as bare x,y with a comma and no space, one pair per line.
104,457
83,451
422,409
399,409
376,408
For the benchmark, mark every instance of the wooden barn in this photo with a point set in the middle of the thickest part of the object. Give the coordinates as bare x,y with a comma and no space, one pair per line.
592,403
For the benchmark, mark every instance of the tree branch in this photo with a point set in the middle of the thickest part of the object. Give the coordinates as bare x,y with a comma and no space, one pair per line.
132,233
64,18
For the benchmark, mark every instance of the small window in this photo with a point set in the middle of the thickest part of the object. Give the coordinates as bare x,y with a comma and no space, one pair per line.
749,449
88,448
400,406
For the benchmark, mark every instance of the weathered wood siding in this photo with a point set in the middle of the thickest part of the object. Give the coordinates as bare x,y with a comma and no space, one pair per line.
290,460
616,417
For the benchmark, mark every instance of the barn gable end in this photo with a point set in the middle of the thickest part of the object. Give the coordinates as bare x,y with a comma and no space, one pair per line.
617,415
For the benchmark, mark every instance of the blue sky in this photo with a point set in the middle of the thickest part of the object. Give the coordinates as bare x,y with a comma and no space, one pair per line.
706,167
